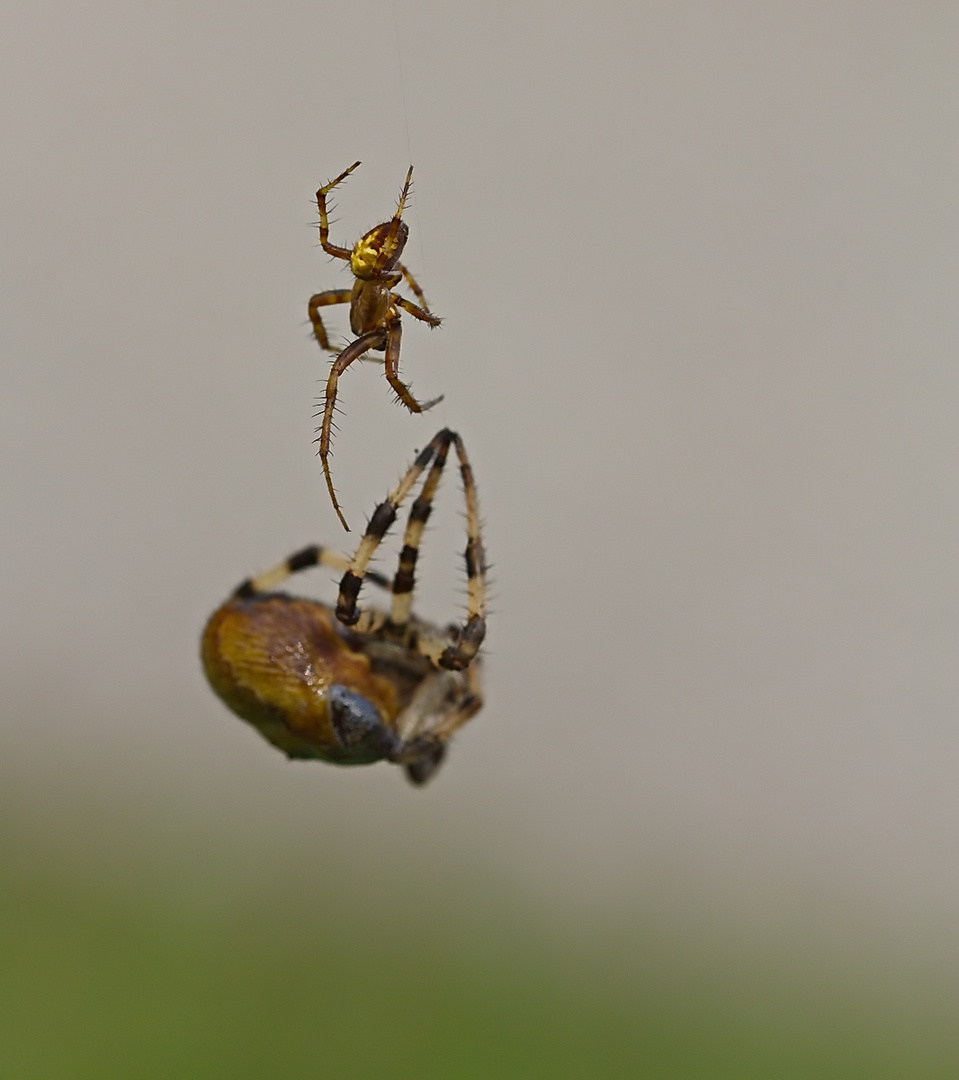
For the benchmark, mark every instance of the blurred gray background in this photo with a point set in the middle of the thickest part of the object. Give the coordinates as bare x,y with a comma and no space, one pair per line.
698,267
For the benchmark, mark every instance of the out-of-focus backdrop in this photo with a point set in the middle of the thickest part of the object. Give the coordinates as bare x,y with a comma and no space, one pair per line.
698,266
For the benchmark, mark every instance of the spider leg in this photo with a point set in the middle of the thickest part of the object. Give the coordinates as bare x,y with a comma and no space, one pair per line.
417,312
457,648
405,580
396,221
414,286
331,249
305,559
470,705
423,747
404,194
382,518
324,299
352,352
469,696
394,332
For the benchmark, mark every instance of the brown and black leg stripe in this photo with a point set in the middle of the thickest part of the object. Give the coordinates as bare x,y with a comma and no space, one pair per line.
305,559
379,524
466,641
475,554
405,580
455,649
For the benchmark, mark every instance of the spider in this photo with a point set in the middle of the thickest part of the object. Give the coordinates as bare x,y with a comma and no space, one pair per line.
354,685
374,310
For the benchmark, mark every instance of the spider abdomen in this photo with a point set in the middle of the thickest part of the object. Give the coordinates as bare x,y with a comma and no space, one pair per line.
282,665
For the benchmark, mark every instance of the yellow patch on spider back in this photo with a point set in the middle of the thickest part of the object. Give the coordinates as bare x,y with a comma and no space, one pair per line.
379,249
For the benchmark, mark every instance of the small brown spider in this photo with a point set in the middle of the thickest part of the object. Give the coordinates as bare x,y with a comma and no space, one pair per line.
356,685
374,310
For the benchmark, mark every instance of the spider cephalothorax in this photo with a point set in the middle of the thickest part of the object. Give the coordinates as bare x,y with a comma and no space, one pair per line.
356,685
374,310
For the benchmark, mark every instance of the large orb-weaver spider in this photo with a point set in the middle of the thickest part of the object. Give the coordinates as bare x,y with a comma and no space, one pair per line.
354,685
374,310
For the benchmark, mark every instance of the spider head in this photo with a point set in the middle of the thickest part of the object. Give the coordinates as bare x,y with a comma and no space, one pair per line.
358,727
379,250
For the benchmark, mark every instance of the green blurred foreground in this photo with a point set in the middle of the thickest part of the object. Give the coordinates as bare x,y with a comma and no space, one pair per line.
108,973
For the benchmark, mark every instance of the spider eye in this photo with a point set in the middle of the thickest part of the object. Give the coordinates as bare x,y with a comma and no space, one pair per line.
358,727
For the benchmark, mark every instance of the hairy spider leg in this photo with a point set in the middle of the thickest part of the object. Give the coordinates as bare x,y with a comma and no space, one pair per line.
388,338
353,351
455,649
421,313
325,299
417,291
404,582
304,559
331,249
387,258
394,333
379,524
460,653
